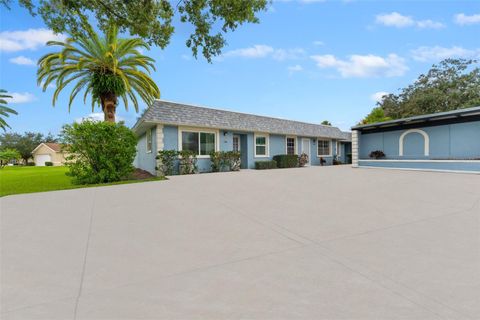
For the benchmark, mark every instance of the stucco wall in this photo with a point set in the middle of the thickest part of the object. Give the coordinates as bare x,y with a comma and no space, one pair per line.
57,158
143,159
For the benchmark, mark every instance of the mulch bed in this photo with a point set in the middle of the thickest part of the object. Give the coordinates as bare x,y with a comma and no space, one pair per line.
140,174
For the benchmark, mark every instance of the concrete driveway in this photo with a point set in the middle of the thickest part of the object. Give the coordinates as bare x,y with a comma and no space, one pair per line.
310,243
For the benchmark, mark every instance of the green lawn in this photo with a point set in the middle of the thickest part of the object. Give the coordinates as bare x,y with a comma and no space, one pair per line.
14,180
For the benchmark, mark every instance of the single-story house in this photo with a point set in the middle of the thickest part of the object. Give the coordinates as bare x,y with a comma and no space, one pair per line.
440,141
48,152
176,126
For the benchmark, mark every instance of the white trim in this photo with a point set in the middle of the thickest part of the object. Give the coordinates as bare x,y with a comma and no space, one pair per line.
426,170
295,144
267,145
426,141
338,148
329,147
419,160
198,129
239,141
309,150
146,140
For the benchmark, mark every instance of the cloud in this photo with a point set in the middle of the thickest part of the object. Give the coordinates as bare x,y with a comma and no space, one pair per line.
438,53
378,96
21,60
263,51
398,20
318,43
31,39
363,66
18,97
97,116
295,68
463,19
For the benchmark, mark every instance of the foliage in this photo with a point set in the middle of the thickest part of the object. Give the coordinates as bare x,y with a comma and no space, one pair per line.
335,161
377,154
106,68
99,152
4,110
188,162
450,85
24,143
166,162
225,161
6,155
286,160
153,20
326,123
265,164
302,160
48,163
30,164
376,115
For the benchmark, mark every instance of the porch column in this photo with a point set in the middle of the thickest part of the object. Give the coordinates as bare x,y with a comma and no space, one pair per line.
159,138
355,141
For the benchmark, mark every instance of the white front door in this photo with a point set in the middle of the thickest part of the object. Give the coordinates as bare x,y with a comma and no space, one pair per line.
306,148
236,143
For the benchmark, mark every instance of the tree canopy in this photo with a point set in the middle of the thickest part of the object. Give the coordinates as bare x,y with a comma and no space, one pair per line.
24,143
153,20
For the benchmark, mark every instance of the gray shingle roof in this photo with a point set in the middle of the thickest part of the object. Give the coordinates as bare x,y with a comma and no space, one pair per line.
182,114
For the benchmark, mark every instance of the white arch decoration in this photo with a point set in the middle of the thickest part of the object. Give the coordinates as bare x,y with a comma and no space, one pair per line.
426,139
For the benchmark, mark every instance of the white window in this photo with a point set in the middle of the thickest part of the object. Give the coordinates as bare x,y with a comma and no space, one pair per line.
261,145
339,149
149,140
199,142
323,148
291,145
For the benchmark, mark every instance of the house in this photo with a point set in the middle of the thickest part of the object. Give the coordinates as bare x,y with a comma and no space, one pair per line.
48,152
175,126
440,141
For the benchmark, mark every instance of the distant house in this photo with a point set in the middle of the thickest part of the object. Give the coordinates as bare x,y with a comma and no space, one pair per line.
175,126
440,141
48,152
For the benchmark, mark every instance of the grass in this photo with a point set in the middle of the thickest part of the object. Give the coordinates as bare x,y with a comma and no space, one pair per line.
16,180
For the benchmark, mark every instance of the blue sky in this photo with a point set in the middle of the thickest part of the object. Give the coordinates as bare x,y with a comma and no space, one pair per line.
306,60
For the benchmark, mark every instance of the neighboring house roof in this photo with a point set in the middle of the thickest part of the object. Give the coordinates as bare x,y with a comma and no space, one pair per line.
55,147
173,113
439,116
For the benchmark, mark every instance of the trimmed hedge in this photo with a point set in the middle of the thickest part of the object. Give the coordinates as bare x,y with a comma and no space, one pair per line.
48,163
286,160
266,164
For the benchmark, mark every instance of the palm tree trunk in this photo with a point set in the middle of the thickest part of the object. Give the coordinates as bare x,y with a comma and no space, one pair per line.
109,105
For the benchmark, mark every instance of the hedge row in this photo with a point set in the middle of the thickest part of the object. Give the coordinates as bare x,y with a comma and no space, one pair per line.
266,164
286,160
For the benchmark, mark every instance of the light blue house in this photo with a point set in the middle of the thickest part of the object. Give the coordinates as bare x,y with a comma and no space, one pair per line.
174,126
441,141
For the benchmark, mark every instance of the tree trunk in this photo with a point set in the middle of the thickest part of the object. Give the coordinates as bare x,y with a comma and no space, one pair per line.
109,105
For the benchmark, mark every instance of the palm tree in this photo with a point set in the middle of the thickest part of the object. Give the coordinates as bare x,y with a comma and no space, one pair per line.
4,110
106,68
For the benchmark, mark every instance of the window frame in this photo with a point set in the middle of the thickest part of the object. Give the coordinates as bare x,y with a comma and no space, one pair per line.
267,145
339,153
149,136
295,144
198,131
329,147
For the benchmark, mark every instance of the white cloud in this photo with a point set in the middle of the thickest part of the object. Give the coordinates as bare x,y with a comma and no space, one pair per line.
378,96
96,116
18,97
438,53
363,66
21,60
318,43
263,51
463,19
31,39
398,20
295,68
186,57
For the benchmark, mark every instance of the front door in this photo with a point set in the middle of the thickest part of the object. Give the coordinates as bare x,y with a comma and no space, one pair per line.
236,143
306,148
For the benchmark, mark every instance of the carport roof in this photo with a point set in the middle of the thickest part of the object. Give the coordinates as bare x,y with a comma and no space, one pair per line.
447,116
174,113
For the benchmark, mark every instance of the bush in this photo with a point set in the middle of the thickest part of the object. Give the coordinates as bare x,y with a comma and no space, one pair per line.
48,163
303,160
30,164
233,160
188,162
266,164
8,155
377,154
166,162
286,160
100,152
225,161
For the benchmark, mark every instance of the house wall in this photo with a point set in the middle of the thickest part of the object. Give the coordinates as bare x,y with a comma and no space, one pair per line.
58,158
143,159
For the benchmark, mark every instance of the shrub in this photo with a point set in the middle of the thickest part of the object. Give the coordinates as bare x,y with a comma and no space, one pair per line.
377,154
100,152
322,161
48,163
233,160
217,159
266,164
303,160
286,160
30,164
8,155
188,162
166,162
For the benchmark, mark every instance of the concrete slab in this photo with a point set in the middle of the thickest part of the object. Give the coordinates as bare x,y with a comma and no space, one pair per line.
319,242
